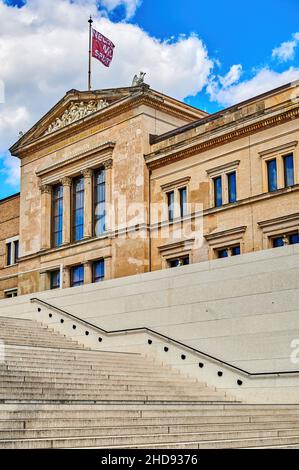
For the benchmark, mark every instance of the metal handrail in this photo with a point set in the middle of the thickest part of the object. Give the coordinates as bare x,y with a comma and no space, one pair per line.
161,335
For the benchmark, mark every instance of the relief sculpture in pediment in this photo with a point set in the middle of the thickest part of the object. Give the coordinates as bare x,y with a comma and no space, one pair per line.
75,112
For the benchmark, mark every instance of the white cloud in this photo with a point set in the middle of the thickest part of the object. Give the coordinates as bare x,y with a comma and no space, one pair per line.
130,5
286,50
232,76
264,80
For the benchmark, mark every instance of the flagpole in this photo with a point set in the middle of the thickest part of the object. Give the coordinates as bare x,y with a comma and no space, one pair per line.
90,21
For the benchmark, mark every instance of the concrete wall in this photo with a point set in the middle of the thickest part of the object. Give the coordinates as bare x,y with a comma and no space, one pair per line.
243,310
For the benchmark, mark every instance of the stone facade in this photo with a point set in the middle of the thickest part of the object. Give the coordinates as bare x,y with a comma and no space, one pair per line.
152,147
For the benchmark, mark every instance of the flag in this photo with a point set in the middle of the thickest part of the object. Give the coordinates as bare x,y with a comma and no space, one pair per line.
102,48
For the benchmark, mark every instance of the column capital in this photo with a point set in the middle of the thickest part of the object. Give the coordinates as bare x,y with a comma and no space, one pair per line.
45,188
108,164
66,181
87,173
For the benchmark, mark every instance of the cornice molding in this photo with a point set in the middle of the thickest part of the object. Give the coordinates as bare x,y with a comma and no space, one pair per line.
291,218
223,168
279,148
230,136
224,233
109,112
175,184
179,245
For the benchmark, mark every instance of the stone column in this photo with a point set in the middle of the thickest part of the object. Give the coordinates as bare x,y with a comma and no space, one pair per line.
177,204
108,268
46,203
87,272
109,210
66,231
66,281
87,202
224,189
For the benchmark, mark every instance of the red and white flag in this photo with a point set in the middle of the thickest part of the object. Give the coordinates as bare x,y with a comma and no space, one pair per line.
102,48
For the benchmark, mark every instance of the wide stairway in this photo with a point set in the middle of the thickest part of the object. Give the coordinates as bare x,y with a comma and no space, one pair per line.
54,393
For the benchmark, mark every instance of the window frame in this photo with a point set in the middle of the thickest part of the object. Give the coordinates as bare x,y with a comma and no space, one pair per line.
54,232
11,251
57,271
13,291
77,283
279,153
268,162
170,210
75,209
102,184
285,170
100,278
183,204
229,192
215,189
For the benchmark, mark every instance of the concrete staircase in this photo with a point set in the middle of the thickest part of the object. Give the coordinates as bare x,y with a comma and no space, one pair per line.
54,393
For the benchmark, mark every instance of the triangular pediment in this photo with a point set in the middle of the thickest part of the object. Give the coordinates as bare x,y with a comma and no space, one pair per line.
73,107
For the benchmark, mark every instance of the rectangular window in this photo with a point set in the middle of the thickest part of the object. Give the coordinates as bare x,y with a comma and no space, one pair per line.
11,293
182,261
170,200
218,191
288,164
272,175
183,201
55,279
77,275
277,242
98,271
235,250
294,238
9,254
78,209
232,187
223,253
12,252
57,215
99,202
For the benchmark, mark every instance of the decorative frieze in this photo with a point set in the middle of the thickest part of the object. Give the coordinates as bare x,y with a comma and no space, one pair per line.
75,112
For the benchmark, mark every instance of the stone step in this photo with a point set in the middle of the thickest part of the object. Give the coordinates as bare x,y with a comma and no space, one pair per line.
40,364
113,395
147,411
25,355
100,430
43,343
99,380
208,423
205,440
87,388
52,374
250,443
70,352
31,386
96,371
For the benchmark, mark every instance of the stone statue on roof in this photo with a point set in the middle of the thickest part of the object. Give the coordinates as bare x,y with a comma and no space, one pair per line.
138,79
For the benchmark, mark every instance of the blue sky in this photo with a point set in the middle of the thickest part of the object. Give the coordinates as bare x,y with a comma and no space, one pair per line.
211,54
